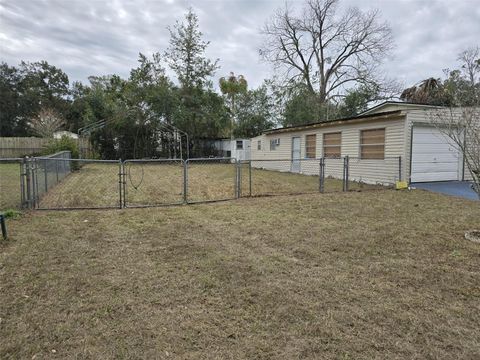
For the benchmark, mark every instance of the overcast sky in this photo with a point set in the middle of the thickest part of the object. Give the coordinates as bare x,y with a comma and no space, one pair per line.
98,37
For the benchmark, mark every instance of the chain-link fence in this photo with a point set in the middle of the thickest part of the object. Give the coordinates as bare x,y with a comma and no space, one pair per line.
210,179
12,183
153,182
49,171
86,184
280,177
59,182
380,172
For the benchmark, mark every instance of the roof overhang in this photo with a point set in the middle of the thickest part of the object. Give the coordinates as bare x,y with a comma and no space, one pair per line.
390,115
403,104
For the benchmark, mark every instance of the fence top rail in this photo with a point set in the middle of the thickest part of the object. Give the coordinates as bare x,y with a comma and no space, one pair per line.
78,160
213,159
302,159
10,159
56,154
328,158
152,160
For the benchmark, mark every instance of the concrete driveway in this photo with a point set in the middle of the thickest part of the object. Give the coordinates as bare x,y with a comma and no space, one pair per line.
455,188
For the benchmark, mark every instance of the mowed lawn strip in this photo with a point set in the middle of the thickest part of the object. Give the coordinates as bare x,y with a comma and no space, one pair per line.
366,275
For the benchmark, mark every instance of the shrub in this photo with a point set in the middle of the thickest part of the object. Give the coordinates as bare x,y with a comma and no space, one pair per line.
11,214
65,143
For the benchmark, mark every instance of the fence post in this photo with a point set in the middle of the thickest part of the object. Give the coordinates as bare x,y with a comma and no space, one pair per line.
238,178
22,185
399,168
346,165
250,177
347,172
120,181
45,171
124,184
36,193
56,169
27,189
321,174
185,181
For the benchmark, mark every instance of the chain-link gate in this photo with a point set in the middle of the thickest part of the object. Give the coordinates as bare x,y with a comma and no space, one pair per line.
153,182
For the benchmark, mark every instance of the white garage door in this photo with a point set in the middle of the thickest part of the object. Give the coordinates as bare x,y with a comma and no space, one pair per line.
433,158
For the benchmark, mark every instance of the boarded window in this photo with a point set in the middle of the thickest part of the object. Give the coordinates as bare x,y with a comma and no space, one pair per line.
259,145
310,146
372,144
332,145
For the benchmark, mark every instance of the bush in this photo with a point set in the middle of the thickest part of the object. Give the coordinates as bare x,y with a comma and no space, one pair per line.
65,143
11,214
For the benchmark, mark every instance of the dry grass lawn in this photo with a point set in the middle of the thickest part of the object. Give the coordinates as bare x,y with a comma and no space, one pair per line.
360,275
147,184
10,197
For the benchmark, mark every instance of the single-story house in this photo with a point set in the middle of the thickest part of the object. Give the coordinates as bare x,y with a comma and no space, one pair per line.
389,142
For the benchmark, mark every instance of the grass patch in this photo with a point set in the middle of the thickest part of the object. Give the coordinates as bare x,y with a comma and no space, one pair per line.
11,214
161,183
357,275
10,194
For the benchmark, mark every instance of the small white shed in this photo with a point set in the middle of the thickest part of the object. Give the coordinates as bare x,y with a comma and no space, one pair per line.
236,148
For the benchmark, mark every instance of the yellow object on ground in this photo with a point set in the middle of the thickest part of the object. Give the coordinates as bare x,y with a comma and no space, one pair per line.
399,185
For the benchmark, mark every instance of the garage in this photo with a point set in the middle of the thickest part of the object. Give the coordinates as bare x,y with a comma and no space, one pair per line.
433,158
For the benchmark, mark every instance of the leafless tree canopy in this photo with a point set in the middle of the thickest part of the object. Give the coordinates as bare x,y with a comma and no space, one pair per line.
46,122
461,125
470,60
327,51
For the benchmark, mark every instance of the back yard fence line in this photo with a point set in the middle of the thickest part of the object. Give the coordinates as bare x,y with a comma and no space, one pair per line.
59,182
17,147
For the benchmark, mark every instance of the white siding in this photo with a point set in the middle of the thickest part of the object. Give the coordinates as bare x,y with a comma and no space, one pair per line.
370,171
427,117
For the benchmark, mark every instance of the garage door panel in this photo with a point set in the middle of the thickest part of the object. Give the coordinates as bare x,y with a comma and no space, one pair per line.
427,177
435,148
433,157
434,167
430,139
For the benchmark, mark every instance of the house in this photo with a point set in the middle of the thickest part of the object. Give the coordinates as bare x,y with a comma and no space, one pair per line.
234,148
389,142
61,133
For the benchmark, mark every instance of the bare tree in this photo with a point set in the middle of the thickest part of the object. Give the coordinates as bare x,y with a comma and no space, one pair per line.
470,59
327,52
461,124
461,127
46,122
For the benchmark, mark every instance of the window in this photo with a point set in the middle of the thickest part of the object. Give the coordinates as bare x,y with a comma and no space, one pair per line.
239,144
310,146
259,145
332,145
372,144
274,143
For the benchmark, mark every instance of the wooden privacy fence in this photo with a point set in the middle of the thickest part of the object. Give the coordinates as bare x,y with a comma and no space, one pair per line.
12,147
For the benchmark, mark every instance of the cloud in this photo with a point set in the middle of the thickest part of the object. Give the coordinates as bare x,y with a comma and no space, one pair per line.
104,37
